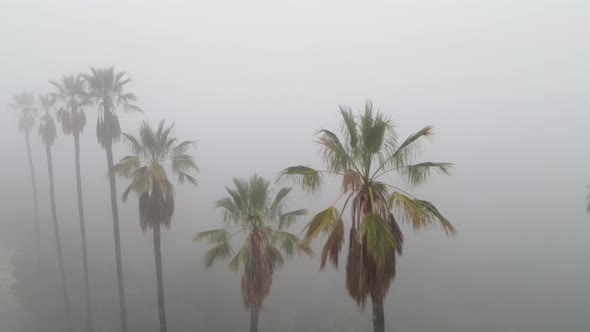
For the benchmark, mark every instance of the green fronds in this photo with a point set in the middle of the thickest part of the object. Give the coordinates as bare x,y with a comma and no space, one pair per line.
288,243
324,222
307,178
279,200
127,166
218,253
410,148
419,213
215,236
334,154
349,126
418,173
287,219
377,237
242,258
373,128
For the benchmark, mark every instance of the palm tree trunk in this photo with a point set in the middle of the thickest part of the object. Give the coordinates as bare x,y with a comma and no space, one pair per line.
58,240
115,211
254,319
158,255
378,315
35,205
83,234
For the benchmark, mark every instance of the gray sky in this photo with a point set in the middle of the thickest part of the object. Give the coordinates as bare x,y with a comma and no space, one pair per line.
505,83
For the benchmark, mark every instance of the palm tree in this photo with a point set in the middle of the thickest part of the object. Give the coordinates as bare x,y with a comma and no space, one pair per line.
106,90
48,134
251,210
153,152
72,95
24,104
364,157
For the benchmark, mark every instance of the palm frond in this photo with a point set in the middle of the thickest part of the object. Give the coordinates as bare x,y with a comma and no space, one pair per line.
349,126
333,245
241,258
418,173
418,212
214,236
306,177
219,252
335,155
324,222
377,237
287,219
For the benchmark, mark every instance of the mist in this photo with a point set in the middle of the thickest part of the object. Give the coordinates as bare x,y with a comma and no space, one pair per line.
505,84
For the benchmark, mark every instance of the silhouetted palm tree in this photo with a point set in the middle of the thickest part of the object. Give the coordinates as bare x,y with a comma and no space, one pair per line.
252,211
365,156
48,134
106,90
24,104
153,152
72,96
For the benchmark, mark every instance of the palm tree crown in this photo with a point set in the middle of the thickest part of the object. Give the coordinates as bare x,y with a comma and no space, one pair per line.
251,209
152,152
107,90
364,157
24,103
71,93
47,129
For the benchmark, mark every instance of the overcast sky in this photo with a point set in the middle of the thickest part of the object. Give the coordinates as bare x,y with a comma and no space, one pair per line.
505,83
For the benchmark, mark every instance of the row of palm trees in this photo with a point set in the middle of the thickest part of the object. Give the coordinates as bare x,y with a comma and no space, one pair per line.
365,156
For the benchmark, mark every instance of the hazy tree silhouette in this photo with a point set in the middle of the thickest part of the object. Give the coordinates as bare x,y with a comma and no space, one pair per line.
107,91
72,96
251,210
153,152
366,158
48,134
24,104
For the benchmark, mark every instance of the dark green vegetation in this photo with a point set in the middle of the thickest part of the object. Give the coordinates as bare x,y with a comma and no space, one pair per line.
366,158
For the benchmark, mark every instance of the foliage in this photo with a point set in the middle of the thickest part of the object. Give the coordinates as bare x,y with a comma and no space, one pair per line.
364,156
24,104
107,91
47,129
154,150
261,217
72,95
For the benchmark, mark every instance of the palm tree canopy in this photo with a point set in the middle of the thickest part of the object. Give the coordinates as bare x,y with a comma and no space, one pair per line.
72,95
107,91
24,103
155,150
365,155
47,129
255,211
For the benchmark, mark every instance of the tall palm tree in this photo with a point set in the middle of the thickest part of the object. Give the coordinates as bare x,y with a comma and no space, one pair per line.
48,134
366,157
107,91
24,104
72,96
251,210
153,152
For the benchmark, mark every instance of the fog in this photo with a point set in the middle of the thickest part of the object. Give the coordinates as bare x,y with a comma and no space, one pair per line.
506,85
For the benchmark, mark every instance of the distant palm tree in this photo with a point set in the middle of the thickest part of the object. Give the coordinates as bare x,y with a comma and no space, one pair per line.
72,95
153,152
251,210
366,155
48,134
106,90
24,104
